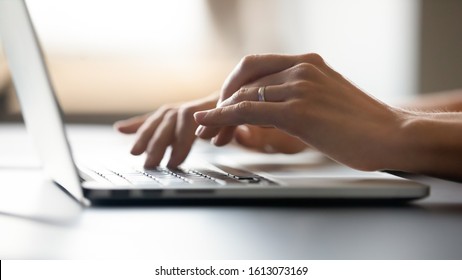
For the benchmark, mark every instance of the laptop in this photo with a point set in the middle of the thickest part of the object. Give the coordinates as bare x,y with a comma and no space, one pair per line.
132,184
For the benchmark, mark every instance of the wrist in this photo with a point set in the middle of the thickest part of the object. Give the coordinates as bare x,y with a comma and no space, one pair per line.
421,143
398,143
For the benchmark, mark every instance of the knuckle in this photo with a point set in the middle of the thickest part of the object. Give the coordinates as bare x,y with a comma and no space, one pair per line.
244,106
313,58
300,87
160,113
304,70
239,95
248,60
164,108
150,119
242,90
171,115
186,111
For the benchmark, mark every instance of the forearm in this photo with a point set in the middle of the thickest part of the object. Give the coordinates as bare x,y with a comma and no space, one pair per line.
431,144
447,101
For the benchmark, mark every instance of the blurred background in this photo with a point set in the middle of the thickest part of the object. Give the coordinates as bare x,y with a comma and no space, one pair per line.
110,59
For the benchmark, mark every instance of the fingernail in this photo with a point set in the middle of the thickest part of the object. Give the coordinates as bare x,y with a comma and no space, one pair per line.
199,116
199,130
214,140
245,130
119,126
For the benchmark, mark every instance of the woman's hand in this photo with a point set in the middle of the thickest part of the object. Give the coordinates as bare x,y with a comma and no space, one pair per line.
309,100
268,140
171,125
174,125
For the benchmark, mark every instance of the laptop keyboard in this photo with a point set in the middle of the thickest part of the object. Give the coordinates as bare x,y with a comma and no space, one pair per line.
165,177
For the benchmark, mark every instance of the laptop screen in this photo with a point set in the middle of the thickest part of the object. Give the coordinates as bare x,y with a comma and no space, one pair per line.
39,105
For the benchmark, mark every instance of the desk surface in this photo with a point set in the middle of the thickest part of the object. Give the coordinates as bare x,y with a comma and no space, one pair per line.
37,220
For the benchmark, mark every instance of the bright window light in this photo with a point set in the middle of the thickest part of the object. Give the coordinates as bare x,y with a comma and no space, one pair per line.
140,54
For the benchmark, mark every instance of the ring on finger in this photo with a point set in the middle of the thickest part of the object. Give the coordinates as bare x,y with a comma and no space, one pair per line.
261,94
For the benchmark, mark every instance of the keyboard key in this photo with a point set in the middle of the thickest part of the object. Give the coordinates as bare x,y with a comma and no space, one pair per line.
171,181
117,180
139,179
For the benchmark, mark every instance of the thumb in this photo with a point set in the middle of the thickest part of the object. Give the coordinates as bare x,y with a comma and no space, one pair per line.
252,137
245,137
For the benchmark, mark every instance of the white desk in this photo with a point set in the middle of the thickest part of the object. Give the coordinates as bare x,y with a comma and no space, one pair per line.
37,220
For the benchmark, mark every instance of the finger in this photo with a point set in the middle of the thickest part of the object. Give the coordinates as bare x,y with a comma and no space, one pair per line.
247,138
185,128
146,130
253,93
224,136
269,93
268,140
277,93
207,132
320,63
246,112
130,125
162,138
277,141
252,68
258,138
219,136
214,133
184,137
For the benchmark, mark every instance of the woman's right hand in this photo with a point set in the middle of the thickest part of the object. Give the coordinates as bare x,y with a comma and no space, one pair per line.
306,98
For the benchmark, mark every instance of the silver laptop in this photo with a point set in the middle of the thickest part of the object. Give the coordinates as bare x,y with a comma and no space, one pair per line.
132,184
